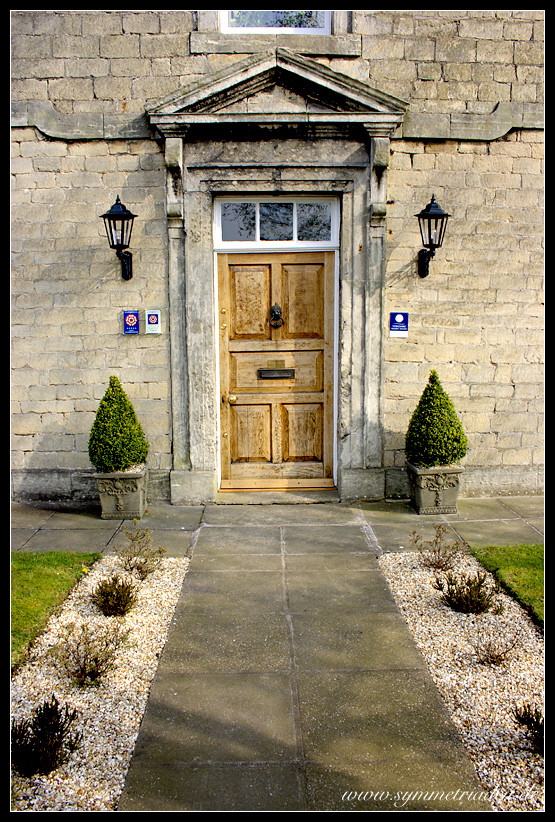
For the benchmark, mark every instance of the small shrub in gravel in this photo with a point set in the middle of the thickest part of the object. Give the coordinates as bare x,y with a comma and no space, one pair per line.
531,718
467,594
436,554
114,596
45,741
492,644
139,557
88,653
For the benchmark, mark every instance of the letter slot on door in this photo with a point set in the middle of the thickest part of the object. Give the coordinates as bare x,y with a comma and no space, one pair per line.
276,373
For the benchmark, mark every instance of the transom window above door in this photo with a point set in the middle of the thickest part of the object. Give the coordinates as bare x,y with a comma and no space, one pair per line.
288,20
276,222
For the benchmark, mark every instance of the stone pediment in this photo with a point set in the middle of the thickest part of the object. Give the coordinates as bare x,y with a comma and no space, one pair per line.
279,88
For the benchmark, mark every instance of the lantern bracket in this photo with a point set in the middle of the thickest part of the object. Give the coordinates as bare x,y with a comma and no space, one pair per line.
126,264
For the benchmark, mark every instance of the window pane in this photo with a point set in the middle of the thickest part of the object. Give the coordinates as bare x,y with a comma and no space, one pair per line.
290,18
276,221
238,221
314,222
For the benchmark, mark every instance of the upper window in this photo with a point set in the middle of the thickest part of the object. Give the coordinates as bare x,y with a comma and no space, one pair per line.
249,222
289,20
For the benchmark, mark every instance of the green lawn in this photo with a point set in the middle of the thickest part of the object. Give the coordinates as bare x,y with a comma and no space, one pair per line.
519,569
39,584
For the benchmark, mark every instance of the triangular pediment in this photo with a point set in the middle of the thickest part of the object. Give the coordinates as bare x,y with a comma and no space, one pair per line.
279,87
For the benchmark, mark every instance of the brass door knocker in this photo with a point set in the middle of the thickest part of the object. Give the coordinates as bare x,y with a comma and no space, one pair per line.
276,320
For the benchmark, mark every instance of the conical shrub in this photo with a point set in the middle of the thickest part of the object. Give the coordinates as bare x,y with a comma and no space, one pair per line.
117,440
435,434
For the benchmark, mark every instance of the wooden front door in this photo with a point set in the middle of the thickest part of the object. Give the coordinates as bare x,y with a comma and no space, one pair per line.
276,369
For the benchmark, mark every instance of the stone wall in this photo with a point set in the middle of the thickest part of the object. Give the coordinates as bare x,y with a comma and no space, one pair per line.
68,300
478,316
81,81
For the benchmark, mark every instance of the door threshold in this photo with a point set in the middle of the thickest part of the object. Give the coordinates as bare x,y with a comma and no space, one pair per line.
273,496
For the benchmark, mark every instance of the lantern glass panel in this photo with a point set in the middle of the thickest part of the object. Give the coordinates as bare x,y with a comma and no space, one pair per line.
432,230
118,232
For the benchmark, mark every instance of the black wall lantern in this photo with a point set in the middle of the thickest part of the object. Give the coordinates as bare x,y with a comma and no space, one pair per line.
433,222
119,224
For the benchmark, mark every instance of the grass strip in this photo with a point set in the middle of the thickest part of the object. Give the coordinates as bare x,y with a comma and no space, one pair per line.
520,571
40,582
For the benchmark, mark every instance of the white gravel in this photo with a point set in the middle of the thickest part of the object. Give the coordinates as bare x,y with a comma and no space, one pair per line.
111,713
480,697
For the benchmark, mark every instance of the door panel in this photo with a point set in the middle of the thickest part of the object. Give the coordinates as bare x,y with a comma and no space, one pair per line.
303,301
250,289
276,369
245,368
250,433
302,430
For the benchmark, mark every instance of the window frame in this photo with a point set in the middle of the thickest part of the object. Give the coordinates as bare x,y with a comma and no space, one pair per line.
278,245
227,28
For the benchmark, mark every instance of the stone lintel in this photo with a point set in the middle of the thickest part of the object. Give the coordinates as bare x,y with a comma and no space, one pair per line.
342,45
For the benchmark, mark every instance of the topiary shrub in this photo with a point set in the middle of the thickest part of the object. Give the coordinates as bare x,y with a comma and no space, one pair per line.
435,435
116,440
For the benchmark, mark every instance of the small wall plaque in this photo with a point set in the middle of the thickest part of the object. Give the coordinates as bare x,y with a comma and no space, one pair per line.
130,322
398,324
152,321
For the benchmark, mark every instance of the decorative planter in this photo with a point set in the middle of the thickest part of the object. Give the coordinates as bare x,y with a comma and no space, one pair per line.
123,493
434,490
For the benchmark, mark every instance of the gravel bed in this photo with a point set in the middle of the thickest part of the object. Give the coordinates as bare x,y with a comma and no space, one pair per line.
480,697
109,714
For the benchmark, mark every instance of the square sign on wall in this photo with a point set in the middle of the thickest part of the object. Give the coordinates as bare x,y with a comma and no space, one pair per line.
130,322
398,324
152,321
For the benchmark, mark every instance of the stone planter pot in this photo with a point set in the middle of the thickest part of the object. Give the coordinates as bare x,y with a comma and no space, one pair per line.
434,490
123,493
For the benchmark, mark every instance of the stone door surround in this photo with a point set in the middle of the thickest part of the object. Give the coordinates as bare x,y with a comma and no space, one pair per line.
282,124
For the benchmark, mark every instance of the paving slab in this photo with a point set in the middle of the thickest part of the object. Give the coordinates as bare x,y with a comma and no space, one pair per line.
499,532
204,640
533,506
425,783
71,520
481,509
213,786
175,517
324,539
84,540
234,717
386,714
220,591
353,641
315,514
337,590
239,562
241,539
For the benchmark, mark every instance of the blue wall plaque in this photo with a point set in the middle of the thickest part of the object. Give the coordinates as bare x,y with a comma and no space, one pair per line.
130,322
398,324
